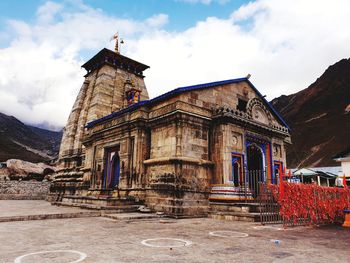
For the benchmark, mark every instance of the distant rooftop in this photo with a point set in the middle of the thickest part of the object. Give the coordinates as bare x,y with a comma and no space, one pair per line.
331,171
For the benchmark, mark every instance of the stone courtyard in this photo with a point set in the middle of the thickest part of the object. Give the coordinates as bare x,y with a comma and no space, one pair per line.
102,239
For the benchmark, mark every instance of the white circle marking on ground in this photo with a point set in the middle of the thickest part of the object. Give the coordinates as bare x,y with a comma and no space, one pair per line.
228,234
82,255
185,243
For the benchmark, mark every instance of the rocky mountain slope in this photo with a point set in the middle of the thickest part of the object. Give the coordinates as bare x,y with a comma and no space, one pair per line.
20,141
319,117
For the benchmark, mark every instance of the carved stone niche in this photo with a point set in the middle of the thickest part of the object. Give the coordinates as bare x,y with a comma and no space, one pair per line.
259,115
236,140
277,150
257,111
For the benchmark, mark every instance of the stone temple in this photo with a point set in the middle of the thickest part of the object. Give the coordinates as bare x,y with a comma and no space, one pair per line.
176,153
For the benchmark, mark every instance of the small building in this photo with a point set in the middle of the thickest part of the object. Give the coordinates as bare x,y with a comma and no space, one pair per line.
323,176
344,159
169,151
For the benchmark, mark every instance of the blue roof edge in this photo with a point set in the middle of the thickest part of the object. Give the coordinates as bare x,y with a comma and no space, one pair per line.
116,113
179,90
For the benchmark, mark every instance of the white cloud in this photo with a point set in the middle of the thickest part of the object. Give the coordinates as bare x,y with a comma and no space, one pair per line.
40,72
47,12
285,45
158,20
37,86
205,2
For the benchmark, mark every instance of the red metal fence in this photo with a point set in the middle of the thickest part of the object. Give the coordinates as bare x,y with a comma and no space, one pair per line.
303,203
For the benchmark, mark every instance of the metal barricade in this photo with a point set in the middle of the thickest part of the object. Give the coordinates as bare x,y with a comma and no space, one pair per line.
269,207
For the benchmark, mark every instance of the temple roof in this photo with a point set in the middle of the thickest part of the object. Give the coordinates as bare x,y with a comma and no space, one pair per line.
106,56
180,90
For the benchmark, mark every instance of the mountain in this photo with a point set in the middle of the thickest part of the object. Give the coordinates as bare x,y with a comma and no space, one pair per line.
319,118
20,141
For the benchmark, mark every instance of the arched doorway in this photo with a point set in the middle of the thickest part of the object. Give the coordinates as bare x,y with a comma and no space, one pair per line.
237,164
112,169
236,172
255,167
278,171
115,171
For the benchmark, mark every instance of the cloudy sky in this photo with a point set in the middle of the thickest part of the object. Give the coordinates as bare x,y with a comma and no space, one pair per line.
284,44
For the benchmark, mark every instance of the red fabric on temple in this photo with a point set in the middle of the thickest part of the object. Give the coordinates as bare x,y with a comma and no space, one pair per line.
281,184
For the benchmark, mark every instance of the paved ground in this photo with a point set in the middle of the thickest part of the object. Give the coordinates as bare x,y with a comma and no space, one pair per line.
31,207
102,239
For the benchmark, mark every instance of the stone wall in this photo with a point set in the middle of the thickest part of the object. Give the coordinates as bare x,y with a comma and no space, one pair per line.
102,93
23,190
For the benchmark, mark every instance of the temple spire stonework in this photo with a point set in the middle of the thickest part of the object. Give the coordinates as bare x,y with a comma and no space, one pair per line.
103,92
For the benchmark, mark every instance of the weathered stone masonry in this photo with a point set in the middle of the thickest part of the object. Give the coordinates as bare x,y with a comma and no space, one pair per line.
169,151
23,190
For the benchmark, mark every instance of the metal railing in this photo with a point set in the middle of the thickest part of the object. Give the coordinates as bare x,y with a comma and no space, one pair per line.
251,184
245,189
268,206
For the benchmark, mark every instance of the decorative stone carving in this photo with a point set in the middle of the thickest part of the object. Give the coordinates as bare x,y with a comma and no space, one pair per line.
264,120
277,151
257,111
234,140
260,116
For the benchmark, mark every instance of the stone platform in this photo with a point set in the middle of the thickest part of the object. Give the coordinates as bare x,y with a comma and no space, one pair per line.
114,204
23,210
235,211
205,240
27,210
132,216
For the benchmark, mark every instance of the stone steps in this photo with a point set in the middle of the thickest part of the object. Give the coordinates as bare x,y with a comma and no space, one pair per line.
182,211
236,216
100,200
114,209
238,207
50,216
237,211
105,203
132,216
176,201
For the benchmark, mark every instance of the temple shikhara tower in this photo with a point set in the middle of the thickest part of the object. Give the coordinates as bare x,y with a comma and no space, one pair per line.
177,153
112,83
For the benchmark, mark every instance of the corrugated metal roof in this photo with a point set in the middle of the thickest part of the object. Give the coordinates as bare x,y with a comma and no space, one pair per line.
335,170
331,171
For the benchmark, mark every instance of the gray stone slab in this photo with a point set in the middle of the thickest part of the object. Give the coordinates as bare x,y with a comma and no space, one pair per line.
132,216
12,208
102,239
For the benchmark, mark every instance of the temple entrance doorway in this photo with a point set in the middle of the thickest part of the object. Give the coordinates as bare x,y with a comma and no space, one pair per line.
112,169
278,171
255,167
